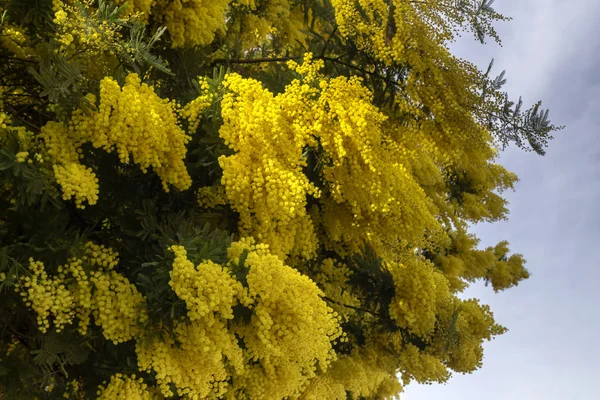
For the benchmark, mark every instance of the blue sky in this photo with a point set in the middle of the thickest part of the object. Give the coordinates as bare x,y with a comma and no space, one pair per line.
551,51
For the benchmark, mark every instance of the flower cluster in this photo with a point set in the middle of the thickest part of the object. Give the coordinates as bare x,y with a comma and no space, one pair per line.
22,156
364,21
202,352
420,291
367,373
474,325
464,263
101,256
439,91
81,292
140,125
506,271
264,179
206,289
198,359
371,195
193,110
193,22
124,387
422,367
39,290
75,29
77,181
118,306
85,286
287,334
291,328
133,120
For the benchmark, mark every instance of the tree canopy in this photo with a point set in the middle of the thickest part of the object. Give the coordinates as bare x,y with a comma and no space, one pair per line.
248,199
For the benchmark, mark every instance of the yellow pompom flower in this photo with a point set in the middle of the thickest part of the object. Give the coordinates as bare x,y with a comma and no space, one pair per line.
22,156
193,110
370,194
118,306
288,334
141,126
420,291
422,367
77,181
38,290
291,329
198,359
264,180
124,387
14,38
193,22
206,289
83,287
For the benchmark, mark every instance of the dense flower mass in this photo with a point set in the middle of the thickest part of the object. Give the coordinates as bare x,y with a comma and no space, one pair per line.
14,39
264,179
248,199
420,292
197,358
291,328
370,197
85,286
205,289
142,127
193,22
124,387
287,338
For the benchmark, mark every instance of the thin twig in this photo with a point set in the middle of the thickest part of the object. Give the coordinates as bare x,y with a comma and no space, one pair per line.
352,307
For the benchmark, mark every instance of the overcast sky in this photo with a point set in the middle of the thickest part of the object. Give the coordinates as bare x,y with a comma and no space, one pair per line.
551,52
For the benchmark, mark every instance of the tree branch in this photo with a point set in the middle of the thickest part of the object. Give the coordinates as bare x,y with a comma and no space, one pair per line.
352,307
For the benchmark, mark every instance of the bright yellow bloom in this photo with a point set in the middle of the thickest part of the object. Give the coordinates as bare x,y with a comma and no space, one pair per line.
420,292
207,288
82,287
371,195
193,22
132,120
22,156
124,387
288,334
